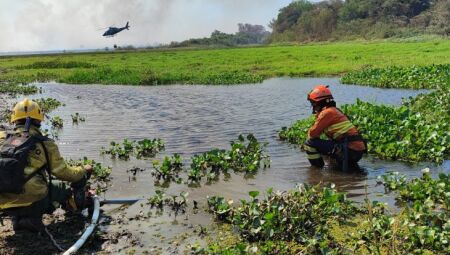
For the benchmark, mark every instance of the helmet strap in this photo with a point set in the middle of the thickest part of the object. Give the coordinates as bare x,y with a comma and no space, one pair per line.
27,124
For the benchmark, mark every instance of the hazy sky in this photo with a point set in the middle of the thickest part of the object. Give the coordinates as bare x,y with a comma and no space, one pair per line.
72,24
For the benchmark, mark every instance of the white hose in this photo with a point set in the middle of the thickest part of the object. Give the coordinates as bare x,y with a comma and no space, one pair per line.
88,230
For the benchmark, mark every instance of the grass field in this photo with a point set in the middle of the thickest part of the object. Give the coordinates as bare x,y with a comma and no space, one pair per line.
221,66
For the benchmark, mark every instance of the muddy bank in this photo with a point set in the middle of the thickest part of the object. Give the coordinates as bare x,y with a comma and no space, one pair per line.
65,228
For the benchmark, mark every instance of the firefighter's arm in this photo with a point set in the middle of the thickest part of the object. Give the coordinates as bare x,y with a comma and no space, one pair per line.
58,166
323,120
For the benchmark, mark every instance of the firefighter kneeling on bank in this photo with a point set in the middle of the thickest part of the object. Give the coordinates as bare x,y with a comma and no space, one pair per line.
28,160
345,144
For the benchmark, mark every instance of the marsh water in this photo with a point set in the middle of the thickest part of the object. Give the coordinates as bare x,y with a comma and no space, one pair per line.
192,119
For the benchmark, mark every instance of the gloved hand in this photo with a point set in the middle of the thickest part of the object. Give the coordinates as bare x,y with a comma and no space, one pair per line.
79,188
88,169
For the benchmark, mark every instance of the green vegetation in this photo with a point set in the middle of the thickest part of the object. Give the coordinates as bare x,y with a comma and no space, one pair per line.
148,148
360,19
18,89
57,122
299,215
418,130
320,220
145,148
76,118
99,171
420,190
168,170
247,34
226,66
100,179
246,155
176,203
48,104
56,64
414,77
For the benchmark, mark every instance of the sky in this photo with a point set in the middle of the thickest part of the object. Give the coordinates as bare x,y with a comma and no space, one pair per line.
39,25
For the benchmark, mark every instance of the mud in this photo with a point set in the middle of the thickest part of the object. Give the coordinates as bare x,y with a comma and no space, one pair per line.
65,228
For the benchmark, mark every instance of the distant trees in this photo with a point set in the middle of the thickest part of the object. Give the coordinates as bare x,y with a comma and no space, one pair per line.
288,16
251,34
247,34
337,19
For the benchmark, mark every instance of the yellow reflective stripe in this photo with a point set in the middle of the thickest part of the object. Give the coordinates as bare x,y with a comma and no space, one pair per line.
13,205
340,128
310,149
339,125
341,132
313,156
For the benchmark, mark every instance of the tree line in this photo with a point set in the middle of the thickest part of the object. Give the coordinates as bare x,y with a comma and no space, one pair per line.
247,34
302,20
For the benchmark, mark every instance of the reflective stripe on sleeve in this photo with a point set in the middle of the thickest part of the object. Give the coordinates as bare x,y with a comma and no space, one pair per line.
313,156
309,149
340,128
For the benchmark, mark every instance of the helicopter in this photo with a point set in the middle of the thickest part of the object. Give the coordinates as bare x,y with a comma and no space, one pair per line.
114,30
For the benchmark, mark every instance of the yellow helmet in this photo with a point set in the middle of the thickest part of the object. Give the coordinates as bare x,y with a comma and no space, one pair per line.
27,108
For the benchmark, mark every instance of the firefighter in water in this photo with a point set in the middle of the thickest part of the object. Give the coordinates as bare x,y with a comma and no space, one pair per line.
345,144
27,197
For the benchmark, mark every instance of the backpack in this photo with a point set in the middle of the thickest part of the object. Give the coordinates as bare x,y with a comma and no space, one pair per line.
14,158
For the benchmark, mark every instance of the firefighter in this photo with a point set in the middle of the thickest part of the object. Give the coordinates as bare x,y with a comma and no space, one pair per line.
28,195
344,143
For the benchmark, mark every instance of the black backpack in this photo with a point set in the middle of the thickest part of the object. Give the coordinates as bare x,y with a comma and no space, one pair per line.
14,158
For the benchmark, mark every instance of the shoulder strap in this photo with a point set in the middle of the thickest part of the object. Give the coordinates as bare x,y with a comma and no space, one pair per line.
46,167
49,171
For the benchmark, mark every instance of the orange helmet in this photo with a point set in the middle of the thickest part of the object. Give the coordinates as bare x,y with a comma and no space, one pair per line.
319,93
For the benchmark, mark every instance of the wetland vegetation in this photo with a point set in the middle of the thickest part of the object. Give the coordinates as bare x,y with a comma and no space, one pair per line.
222,66
321,220
308,219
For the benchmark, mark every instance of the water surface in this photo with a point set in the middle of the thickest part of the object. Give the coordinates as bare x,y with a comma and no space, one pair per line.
194,118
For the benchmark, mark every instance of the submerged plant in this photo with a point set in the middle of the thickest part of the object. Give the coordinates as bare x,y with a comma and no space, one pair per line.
57,122
140,149
148,148
392,180
320,220
176,203
423,225
14,89
118,150
301,215
157,200
48,104
76,118
168,169
246,155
